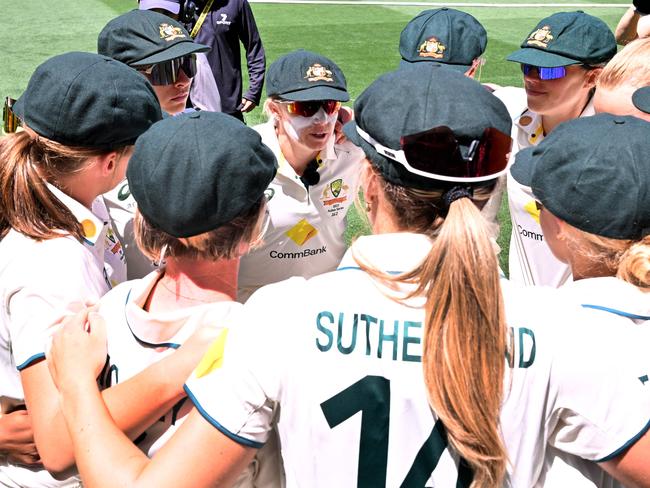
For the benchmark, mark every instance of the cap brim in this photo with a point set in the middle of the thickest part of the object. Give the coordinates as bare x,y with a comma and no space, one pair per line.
317,93
461,68
176,51
640,99
537,57
524,167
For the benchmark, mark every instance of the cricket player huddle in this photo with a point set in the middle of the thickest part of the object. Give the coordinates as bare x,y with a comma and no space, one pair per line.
179,305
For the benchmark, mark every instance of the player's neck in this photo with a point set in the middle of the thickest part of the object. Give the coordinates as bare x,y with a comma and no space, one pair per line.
297,155
552,120
582,267
192,282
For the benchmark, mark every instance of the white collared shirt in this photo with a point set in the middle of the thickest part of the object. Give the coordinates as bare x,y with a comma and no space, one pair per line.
38,281
137,338
531,261
306,232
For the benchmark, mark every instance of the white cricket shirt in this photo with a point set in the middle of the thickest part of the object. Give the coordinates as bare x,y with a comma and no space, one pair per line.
38,280
121,207
138,338
531,261
305,236
340,362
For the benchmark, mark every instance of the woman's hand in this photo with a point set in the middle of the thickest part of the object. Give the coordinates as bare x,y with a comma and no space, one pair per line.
345,115
78,350
17,439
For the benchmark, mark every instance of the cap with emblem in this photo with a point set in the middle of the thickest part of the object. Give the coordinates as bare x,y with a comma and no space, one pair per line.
592,172
567,38
437,97
145,37
304,75
194,172
88,100
171,6
443,35
641,99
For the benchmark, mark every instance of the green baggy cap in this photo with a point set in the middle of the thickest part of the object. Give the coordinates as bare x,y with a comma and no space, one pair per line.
416,99
194,172
443,35
304,75
593,173
88,100
567,38
145,37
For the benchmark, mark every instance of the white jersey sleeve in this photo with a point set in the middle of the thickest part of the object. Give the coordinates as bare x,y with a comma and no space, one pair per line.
249,371
60,273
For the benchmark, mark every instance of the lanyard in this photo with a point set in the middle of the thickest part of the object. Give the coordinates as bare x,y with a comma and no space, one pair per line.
202,17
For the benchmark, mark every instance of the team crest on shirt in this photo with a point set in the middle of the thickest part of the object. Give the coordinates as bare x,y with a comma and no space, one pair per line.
318,72
432,48
334,195
169,32
540,37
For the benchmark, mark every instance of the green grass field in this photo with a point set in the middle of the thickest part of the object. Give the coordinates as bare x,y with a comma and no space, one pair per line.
362,39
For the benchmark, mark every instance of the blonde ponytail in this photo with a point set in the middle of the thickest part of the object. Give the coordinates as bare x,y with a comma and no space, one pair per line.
465,340
634,264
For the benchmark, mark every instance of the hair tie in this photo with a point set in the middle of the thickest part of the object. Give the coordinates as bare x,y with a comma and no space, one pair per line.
456,193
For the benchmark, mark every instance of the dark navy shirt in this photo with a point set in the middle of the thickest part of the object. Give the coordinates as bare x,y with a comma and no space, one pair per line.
228,23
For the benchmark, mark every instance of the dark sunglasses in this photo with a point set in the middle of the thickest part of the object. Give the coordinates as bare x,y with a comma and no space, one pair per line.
545,74
167,72
10,121
436,154
309,108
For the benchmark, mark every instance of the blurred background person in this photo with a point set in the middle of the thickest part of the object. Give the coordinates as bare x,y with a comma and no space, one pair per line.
229,23
634,24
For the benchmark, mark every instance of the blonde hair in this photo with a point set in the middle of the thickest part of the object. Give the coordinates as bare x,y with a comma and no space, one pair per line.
465,334
630,66
27,164
221,243
628,259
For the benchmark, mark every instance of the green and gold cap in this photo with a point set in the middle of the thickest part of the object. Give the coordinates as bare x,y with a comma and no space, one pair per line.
593,173
443,35
304,75
88,100
567,38
195,172
145,37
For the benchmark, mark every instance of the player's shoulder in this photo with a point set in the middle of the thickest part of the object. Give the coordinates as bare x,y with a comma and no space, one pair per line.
514,98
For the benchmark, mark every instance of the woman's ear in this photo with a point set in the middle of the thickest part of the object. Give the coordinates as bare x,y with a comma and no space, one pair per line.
592,77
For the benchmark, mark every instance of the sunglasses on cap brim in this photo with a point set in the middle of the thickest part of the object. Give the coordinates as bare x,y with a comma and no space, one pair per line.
167,72
435,154
309,108
10,121
553,73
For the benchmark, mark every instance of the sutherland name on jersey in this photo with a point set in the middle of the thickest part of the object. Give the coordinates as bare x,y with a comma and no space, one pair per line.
400,339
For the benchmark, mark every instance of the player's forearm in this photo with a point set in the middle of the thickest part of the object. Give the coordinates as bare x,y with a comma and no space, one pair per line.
105,456
140,401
